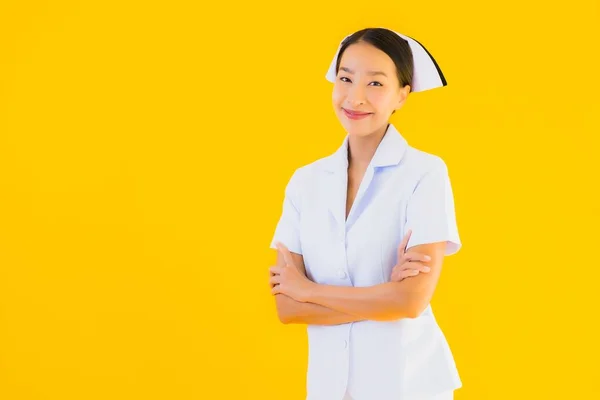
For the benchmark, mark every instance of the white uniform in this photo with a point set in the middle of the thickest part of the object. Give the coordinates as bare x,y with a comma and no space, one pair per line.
403,188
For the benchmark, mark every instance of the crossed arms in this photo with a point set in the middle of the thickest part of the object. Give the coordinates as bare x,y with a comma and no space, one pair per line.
406,295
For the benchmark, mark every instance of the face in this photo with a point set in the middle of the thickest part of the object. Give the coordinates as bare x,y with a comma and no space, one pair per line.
366,90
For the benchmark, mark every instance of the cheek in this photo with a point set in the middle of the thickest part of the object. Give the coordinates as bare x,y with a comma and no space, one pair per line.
337,96
381,100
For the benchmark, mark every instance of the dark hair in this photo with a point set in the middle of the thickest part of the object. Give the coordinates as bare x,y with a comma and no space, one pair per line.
391,44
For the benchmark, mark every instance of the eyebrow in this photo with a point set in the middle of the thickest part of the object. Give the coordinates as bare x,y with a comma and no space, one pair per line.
372,73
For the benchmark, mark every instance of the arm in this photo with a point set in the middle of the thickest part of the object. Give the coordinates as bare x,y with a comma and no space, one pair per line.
387,301
292,288
431,215
291,311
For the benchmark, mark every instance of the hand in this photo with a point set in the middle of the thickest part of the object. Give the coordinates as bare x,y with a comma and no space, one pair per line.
403,268
288,279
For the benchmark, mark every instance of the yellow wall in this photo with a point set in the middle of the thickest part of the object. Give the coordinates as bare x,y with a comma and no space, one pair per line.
144,148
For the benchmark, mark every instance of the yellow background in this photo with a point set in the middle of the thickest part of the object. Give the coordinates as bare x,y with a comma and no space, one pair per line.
144,148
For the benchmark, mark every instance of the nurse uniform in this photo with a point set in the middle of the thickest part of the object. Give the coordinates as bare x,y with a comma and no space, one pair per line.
403,188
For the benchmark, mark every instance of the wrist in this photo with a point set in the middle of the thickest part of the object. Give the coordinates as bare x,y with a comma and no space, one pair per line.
311,292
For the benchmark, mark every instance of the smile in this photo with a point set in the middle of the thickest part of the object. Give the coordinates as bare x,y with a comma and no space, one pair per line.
355,114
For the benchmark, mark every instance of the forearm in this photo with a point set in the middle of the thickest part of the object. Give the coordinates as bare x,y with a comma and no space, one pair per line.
291,311
383,302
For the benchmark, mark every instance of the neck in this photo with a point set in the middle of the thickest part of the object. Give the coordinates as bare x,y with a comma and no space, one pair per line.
361,149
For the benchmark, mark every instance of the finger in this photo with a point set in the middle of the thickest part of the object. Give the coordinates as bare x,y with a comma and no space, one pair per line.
276,289
397,276
404,272
287,256
275,280
276,270
412,256
411,266
409,272
403,244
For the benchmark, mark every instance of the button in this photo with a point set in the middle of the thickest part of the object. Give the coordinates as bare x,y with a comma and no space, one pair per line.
341,273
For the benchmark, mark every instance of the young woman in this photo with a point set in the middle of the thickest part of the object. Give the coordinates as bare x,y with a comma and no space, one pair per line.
363,234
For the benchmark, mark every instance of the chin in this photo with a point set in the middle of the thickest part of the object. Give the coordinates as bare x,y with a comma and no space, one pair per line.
361,128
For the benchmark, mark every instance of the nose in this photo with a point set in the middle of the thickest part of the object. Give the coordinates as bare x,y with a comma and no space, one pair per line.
356,95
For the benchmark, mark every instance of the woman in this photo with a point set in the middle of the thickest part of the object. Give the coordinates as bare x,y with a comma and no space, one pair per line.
363,234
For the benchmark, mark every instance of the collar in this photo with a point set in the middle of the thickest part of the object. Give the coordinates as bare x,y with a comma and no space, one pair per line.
389,152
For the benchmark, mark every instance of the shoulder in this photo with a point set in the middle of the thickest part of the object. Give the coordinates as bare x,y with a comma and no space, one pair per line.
423,163
305,175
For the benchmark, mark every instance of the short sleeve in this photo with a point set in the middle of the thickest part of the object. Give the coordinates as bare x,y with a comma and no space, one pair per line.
431,211
287,230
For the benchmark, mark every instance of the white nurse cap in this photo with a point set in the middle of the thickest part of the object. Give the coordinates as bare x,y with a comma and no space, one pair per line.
426,75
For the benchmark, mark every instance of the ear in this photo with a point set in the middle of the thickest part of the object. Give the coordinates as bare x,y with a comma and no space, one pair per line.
402,96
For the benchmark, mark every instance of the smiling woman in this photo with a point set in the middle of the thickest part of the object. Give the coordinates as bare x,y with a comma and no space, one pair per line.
363,234
387,86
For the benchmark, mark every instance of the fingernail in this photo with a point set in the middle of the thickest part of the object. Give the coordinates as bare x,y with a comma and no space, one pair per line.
427,258
426,269
415,272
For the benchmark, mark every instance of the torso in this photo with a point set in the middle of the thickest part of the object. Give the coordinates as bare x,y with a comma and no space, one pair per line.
355,176
353,242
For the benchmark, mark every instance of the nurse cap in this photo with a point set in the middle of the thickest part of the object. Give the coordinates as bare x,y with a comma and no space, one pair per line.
426,75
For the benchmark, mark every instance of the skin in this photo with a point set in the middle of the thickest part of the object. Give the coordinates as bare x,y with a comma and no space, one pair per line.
366,82
290,286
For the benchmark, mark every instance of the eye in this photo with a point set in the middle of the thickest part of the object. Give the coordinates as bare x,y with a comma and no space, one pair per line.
377,83
344,79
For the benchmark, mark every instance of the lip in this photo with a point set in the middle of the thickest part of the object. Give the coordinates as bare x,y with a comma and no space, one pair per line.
355,114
